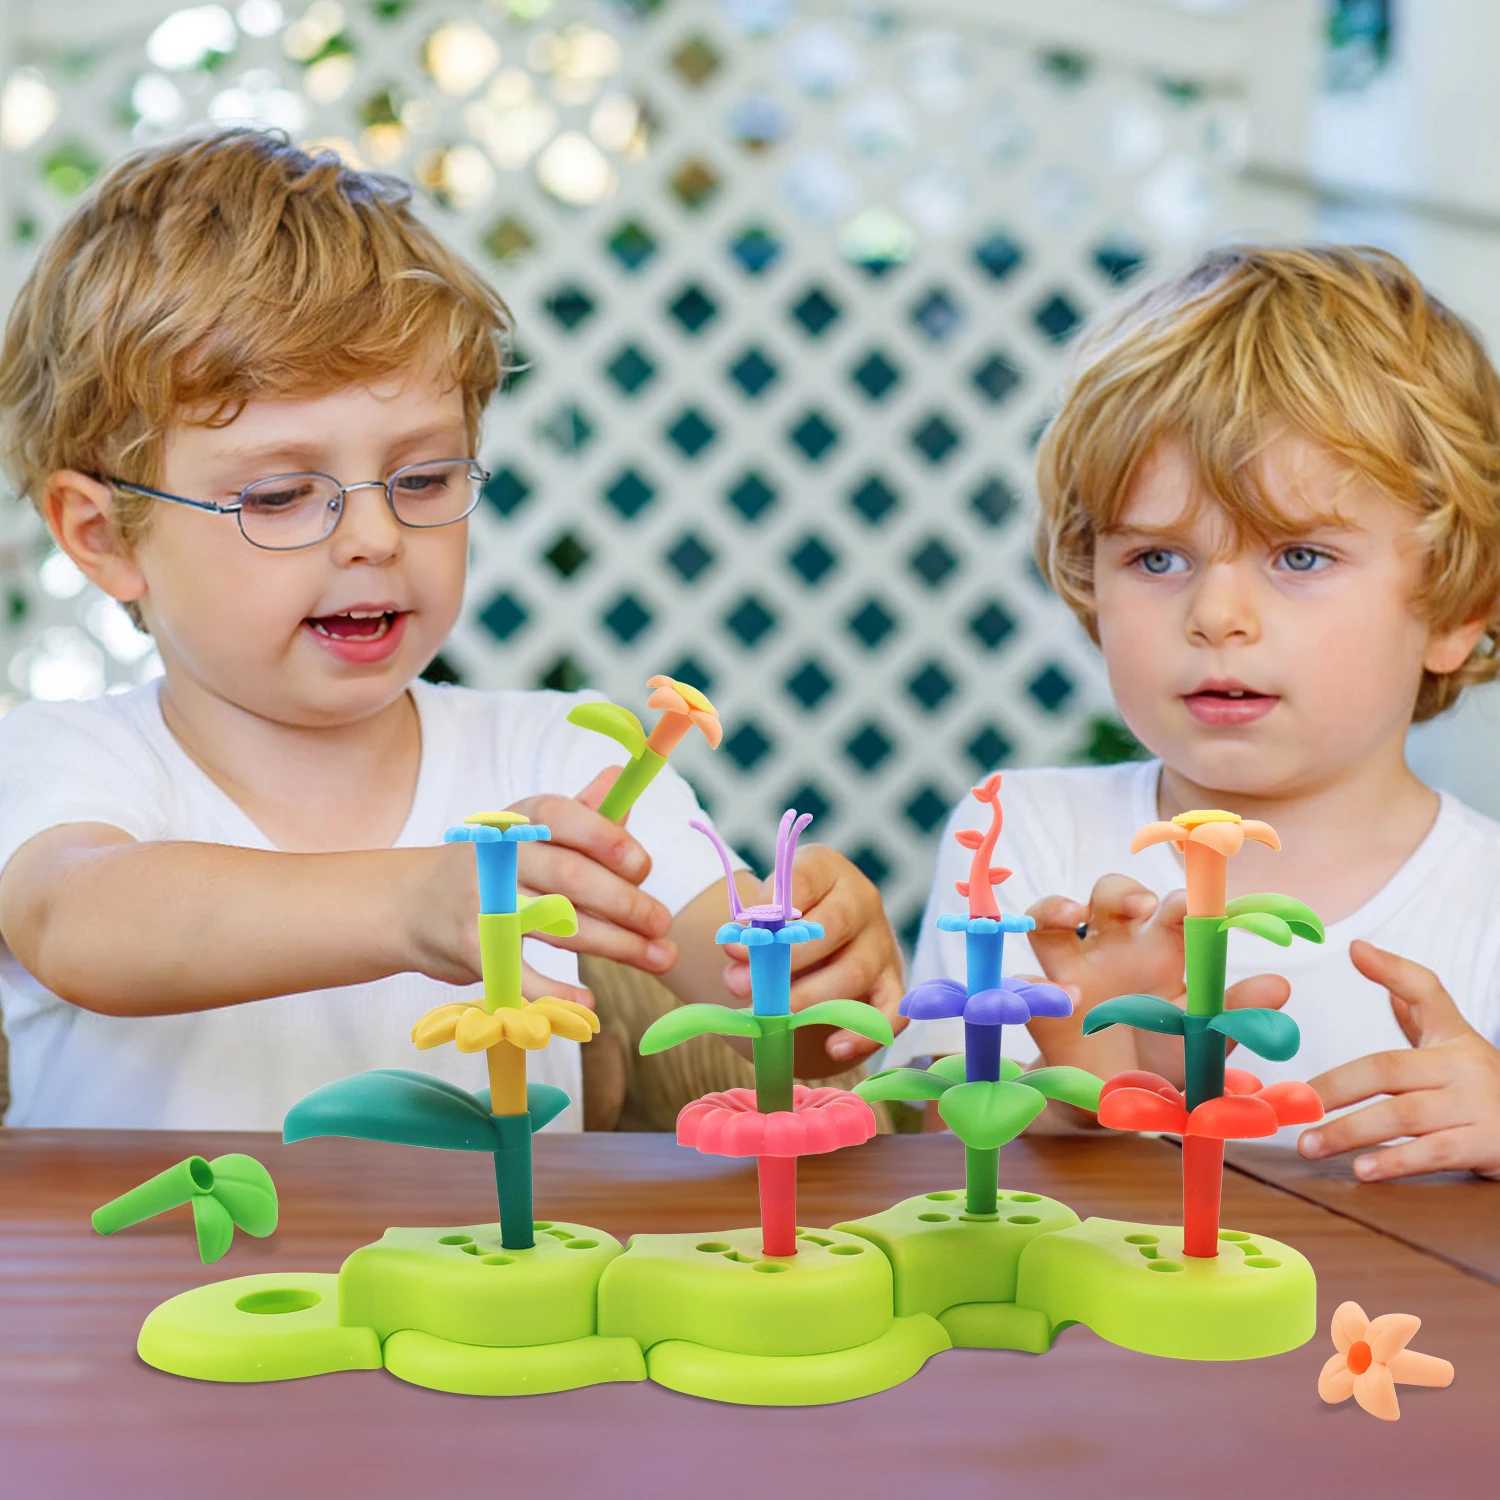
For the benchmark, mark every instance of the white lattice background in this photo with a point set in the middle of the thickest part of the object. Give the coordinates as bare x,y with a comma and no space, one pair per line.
794,283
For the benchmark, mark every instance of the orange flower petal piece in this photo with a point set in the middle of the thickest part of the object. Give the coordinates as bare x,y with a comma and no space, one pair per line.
1336,1380
708,722
669,701
1222,838
1158,833
1349,1326
1375,1390
1411,1368
1389,1334
1262,833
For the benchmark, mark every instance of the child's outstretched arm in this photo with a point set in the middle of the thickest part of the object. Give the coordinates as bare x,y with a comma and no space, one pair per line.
1444,1092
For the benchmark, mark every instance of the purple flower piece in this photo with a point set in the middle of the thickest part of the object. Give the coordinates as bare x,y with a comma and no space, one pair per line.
1042,999
936,1000
1002,1007
780,909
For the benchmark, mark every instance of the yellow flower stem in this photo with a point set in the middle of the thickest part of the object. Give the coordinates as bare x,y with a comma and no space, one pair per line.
500,959
507,1064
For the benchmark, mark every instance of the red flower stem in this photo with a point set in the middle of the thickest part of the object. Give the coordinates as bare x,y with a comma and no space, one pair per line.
1202,1180
778,1204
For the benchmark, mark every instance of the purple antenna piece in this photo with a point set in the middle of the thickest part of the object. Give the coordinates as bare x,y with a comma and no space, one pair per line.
786,847
736,910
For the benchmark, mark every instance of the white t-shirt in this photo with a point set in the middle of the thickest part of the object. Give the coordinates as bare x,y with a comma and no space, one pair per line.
241,1067
1064,829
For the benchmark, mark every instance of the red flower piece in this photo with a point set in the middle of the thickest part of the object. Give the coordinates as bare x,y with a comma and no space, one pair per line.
1141,1109
1137,1100
728,1123
1232,1117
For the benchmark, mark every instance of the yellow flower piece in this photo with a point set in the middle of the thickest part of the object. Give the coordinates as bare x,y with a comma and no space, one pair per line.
1202,815
530,1026
497,819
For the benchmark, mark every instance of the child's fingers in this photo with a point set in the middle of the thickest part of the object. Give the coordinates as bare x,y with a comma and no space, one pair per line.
1418,1113
1458,1150
536,986
606,940
598,789
1117,900
592,887
574,826
850,1046
1383,1073
1054,939
1429,1007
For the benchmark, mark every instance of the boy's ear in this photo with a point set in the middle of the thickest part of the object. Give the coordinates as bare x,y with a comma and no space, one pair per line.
77,510
1448,650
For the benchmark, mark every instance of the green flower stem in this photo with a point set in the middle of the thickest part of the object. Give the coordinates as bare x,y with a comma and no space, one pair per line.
772,1051
981,1180
1207,953
513,1181
634,780
167,1190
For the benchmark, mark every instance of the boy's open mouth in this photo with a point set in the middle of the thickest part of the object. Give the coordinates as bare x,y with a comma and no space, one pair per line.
355,624
1228,703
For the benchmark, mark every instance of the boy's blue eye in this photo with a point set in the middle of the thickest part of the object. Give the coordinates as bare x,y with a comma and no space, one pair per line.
1159,561
1303,559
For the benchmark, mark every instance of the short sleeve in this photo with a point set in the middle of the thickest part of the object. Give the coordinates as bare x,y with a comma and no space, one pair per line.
684,862
75,763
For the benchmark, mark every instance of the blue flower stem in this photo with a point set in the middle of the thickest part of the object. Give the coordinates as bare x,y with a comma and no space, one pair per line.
497,875
981,1181
771,1000
981,1053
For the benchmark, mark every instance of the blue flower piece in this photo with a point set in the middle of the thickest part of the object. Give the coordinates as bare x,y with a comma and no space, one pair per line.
1012,1004
956,922
481,833
799,932
751,937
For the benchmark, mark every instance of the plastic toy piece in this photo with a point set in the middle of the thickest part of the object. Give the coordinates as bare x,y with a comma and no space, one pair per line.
682,706
1372,1359
1208,839
417,1110
776,1122
227,1191
983,1099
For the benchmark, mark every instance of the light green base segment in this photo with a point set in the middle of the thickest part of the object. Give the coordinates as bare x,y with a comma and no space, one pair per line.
255,1328
941,1259
720,1291
1132,1285
476,1370
799,1380
460,1285
997,1325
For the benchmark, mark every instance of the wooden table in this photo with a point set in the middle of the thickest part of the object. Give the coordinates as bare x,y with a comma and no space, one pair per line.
80,1415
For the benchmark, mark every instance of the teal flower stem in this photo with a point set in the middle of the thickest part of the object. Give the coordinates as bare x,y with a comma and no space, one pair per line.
513,1181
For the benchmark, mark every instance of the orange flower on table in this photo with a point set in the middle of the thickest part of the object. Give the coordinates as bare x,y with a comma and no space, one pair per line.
530,1026
1208,837
682,706
1372,1357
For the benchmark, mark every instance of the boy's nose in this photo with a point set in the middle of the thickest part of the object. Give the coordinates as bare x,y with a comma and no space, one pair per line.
367,531
1222,606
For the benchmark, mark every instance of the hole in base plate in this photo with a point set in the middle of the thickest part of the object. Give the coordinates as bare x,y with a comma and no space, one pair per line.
713,1247
1142,1239
816,1239
846,1250
1150,1252
581,1245
1164,1265
497,1260
935,1218
469,1249
279,1299
743,1260
1233,1234
941,1197
456,1239
1025,1197
1262,1262
1023,1219
768,1266
541,1223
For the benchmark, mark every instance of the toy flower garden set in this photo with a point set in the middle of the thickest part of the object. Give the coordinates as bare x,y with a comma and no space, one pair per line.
778,1314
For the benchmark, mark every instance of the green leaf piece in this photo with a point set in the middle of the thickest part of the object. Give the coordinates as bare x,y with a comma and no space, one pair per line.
1303,920
698,1020
850,1015
551,913
987,1115
1073,1086
245,1188
610,719
214,1225
953,1067
1267,1033
396,1105
903,1083
1144,1012
1262,924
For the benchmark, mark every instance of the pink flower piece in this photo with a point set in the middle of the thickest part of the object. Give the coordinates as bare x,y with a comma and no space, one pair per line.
823,1119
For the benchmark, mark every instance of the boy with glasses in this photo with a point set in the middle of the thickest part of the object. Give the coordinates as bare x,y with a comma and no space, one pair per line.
231,328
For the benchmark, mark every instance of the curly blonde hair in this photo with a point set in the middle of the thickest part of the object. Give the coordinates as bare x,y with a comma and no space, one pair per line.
1340,343
214,269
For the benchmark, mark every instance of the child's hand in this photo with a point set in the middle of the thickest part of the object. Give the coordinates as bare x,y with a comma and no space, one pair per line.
857,958
1445,1092
1131,944
598,866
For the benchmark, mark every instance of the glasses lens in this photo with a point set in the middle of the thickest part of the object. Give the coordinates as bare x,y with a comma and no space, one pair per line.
292,510
435,494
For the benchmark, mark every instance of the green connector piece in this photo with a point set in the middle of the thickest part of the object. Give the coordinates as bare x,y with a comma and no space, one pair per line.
233,1190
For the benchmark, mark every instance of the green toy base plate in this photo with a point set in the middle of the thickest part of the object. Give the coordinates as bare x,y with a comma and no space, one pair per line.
477,1370
255,1328
997,1325
942,1259
1132,1285
799,1380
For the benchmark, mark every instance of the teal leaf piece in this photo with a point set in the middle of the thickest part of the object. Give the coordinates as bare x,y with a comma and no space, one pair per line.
1144,1012
987,1115
903,1083
395,1105
1267,1033
610,719
245,1189
851,1015
1073,1086
1262,924
697,1020
1303,920
214,1225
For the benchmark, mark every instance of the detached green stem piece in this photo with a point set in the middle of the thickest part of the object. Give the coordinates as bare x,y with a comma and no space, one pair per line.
228,1191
